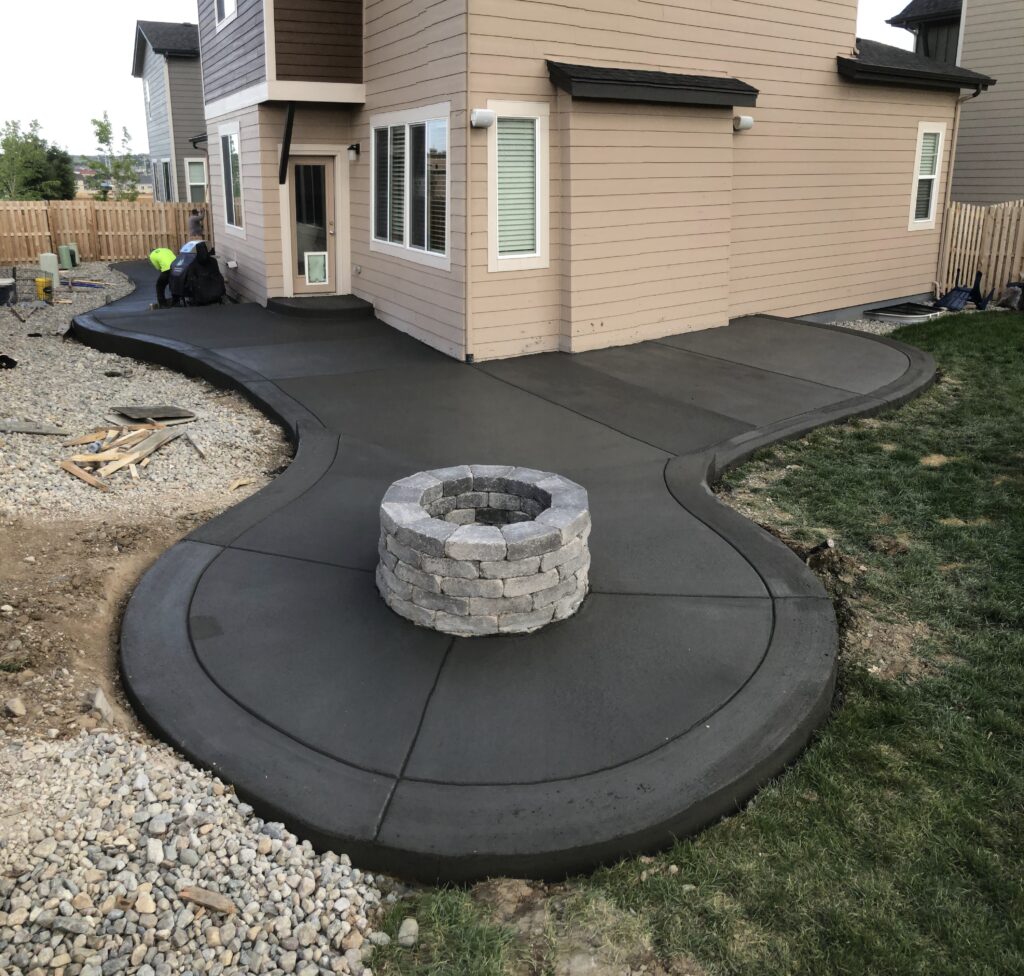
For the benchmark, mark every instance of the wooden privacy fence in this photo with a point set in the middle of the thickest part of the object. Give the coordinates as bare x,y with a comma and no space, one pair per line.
986,239
114,231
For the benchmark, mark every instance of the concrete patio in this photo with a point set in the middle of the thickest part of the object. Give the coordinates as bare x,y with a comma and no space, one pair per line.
697,668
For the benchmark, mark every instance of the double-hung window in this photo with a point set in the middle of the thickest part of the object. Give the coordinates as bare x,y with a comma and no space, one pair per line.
927,173
195,176
231,173
518,186
411,185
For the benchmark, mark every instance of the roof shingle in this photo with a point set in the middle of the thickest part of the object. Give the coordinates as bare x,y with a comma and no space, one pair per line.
174,40
919,11
883,64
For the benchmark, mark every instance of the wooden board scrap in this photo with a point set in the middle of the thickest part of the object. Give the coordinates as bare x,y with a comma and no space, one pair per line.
84,475
159,412
27,427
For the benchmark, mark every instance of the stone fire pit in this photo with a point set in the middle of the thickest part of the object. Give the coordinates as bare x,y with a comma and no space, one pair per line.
484,549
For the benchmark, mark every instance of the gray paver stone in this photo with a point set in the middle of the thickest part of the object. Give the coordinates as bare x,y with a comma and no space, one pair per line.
554,594
403,495
405,554
504,568
526,539
455,605
521,623
428,535
461,516
521,585
396,514
418,615
506,604
573,566
466,626
430,488
566,553
489,477
455,480
567,606
570,522
388,582
440,566
472,499
424,581
476,542
471,587
504,502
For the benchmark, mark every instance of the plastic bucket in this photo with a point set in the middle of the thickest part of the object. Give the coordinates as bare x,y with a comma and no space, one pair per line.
44,289
7,291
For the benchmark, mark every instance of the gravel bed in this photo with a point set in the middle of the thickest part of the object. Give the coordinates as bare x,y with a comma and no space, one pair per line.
65,384
874,326
104,840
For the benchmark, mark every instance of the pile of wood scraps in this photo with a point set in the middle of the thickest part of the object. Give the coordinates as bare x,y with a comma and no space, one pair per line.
128,444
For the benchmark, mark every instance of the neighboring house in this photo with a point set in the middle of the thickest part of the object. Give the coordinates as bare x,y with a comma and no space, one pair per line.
167,61
935,25
985,36
503,178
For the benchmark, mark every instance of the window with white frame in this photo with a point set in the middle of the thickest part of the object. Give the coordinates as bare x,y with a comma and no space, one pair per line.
231,170
411,184
518,193
927,174
167,187
225,10
195,177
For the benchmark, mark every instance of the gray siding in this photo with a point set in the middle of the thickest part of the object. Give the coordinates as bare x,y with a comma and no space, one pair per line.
158,124
990,149
235,56
939,41
186,84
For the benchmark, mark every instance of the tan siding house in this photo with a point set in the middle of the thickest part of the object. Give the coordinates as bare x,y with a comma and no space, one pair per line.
504,177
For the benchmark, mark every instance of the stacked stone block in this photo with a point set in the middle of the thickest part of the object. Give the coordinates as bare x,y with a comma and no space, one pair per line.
484,549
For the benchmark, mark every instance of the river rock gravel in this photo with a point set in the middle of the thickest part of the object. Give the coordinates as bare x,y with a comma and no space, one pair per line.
62,383
116,856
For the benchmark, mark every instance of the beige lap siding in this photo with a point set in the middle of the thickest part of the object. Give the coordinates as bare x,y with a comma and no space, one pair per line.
259,250
820,189
646,226
414,55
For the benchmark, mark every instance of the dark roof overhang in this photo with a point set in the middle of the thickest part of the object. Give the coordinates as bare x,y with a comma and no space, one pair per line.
919,12
881,64
662,87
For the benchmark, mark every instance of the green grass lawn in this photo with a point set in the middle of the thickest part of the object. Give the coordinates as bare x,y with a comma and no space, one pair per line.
895,845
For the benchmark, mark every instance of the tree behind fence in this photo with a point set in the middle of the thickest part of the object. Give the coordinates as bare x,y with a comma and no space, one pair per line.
986,239
103,231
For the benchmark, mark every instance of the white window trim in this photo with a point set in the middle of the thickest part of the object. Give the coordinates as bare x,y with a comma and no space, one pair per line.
440,112
206,178
540,111
167,180
221,23
922,129
230,129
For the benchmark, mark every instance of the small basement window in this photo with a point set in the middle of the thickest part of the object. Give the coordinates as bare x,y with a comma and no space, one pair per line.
927,173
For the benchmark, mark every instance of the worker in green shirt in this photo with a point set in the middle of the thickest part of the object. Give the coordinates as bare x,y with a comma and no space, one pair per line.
162,258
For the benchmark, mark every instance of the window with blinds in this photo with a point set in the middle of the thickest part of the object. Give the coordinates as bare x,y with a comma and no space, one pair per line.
926,178
410,198
517,186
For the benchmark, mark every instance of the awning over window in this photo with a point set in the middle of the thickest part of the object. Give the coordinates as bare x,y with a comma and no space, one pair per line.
627,85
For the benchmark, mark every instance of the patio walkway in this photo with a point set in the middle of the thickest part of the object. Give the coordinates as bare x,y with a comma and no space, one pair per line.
698,667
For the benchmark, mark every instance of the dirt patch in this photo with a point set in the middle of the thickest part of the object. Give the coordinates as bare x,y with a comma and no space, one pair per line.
561,931
934,460
66,584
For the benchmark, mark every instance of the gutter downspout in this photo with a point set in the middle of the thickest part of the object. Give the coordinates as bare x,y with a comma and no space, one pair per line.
286,145
468,268
948,196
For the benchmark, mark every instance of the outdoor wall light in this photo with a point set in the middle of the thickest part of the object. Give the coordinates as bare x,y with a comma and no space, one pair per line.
353,153
741,123
482,118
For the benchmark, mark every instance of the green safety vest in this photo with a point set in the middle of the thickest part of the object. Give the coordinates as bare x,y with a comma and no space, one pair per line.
162,258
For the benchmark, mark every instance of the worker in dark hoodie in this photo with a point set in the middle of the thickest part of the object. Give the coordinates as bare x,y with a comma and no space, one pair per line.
162,258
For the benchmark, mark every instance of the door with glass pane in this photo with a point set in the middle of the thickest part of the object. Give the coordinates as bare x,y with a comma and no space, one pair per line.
311,190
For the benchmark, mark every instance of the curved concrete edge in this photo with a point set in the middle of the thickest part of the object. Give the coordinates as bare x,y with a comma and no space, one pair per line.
689,477
744,747
706,774
315,447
